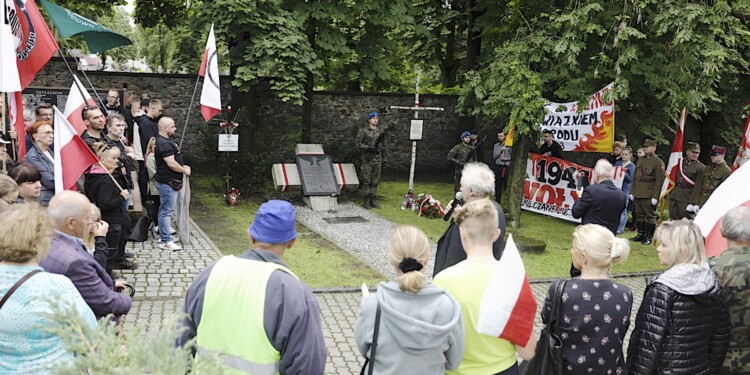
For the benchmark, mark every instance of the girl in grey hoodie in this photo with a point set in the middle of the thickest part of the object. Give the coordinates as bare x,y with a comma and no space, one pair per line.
421,327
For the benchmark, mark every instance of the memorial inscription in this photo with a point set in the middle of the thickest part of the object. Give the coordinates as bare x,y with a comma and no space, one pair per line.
316,175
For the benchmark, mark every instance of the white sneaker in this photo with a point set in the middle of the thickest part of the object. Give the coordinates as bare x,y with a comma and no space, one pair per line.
170,246
174,239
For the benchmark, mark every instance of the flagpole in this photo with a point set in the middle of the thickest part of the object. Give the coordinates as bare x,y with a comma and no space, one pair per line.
101,102
13,142
72,74
190,108
110,176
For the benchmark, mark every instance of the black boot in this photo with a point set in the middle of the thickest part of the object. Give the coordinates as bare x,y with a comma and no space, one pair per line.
649,236
373,203
641,232
368,202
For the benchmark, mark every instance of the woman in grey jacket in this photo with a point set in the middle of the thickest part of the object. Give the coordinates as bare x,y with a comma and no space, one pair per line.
421,327
40,156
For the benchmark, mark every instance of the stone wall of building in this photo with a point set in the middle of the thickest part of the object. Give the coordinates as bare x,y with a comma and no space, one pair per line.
336,116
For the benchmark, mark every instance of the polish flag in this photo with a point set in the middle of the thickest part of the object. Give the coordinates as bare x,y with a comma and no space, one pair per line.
508,307
674,167
15,102
733,192
74,105
210,95
9,81
72,155
743,154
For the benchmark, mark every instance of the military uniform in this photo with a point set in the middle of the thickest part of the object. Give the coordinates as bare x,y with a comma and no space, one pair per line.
679,198
371,161
647,181
460,154
732,268
711,177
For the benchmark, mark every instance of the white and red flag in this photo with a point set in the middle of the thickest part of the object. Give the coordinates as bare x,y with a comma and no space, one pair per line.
211,94
78,98
15,104
743,154
9,80
674,166
508,307
34,43
733,192
72,155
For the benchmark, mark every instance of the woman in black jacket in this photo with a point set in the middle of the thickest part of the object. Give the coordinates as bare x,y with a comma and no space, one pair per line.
682,325
102,191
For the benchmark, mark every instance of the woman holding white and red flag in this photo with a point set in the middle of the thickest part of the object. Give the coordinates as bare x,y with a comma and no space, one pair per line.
682,326
594,310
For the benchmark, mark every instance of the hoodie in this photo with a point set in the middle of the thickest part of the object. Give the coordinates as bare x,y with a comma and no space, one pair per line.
420,333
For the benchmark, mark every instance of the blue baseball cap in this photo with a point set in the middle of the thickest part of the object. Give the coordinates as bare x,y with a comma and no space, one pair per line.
274,223
465,134
372,114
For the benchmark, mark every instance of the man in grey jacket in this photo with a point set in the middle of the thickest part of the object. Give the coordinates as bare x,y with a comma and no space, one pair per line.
223,305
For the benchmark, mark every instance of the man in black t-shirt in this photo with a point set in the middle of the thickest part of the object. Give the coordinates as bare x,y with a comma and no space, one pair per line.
168,178
549,147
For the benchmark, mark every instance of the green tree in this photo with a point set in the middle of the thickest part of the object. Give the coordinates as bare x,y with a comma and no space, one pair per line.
661,56
118,20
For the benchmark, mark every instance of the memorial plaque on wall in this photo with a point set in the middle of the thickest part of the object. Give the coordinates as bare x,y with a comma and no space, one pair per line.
316,175
56,96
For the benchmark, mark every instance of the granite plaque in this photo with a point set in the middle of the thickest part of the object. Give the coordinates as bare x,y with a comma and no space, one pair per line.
316,175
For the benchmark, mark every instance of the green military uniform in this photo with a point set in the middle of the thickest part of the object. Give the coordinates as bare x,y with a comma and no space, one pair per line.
647,180
371,160
680,196
711,177
459,155
732,268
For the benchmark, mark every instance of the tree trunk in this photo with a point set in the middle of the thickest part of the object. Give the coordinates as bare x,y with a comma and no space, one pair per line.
309,84
514,194
244,102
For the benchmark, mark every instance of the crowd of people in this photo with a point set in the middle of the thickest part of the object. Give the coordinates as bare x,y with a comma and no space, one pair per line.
692,318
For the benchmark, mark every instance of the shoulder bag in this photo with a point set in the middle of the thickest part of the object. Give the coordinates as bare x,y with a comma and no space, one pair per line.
548,359
374,346
18,284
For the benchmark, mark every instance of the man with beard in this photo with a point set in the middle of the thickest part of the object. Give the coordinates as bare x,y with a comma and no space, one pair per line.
94,120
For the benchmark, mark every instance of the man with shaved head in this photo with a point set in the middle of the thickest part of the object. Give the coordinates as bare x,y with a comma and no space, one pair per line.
71,215
168,178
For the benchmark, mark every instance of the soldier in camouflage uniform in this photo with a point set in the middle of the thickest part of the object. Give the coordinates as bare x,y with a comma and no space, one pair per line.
732,268
679,198
713,175
459,155
645,191
371,156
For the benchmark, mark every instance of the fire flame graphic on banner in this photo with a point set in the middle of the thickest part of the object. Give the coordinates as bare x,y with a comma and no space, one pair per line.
603,136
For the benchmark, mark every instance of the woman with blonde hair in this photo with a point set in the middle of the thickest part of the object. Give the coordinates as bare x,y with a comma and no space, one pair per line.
420,325
27,292
102,190
682,325
594,311
8,192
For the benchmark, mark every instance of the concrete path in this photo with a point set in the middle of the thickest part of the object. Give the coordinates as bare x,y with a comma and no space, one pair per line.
163,278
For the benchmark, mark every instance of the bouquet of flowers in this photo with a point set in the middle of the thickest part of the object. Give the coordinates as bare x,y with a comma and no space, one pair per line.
429,206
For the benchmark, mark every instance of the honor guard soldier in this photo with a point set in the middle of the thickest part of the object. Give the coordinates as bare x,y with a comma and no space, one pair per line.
371,145
645,191
687,174
459,155
713,175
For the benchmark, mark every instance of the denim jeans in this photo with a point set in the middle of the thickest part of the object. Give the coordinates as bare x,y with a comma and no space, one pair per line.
624,216
168,198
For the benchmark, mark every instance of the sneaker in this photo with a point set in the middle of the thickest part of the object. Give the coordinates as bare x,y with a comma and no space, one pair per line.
125,265
129,255
172,230
173,239
170,246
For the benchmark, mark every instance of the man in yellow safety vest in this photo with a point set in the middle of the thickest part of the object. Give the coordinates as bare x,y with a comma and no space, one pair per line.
252,310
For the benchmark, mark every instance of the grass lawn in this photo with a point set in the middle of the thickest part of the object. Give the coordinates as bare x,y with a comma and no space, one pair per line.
554,262
319,263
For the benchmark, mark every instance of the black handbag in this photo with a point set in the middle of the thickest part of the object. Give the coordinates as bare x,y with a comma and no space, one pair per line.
548,357
175,184
374,346
140,230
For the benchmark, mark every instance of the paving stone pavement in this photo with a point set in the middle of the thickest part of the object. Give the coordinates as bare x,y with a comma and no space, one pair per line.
163,277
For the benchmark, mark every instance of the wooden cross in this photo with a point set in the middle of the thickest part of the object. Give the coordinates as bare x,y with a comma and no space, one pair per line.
416,108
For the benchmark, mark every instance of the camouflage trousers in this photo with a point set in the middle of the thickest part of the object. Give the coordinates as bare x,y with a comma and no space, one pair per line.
736,362
457,177
645,211
369,175
678,210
